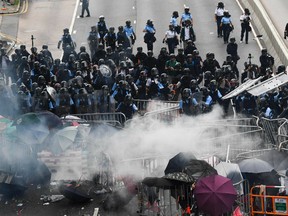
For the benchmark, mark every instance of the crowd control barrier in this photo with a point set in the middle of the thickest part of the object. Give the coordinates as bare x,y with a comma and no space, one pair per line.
263,204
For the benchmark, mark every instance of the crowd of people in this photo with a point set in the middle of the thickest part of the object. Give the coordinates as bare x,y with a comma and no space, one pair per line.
109,77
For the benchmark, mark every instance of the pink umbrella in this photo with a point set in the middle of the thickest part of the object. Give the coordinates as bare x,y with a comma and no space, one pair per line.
215,194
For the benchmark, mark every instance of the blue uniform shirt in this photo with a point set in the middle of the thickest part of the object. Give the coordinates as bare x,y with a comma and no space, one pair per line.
129,31
149,29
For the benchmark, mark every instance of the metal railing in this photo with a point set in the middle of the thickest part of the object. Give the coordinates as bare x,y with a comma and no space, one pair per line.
115,119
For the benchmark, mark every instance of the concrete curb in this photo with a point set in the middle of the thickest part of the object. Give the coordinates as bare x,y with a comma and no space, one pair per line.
263,25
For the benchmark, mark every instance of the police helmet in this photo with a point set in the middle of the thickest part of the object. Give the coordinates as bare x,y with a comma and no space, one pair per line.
154,71
264,50
196,52
101,17
128,98
186,93
82,49
281,68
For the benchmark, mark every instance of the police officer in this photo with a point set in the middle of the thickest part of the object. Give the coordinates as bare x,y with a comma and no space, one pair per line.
174,22
245,25
266,61
102,29
219,13
232,49
186,16
66,40
188,105
93,40
85,6
128,29
149,37
227,26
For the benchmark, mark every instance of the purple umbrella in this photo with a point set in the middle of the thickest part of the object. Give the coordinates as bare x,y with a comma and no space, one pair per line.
215,194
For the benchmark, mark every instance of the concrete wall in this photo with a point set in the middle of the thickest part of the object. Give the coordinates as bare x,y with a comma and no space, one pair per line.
263,25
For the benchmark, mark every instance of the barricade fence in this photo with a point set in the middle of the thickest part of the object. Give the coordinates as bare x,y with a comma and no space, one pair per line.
116,119
261,203
271,128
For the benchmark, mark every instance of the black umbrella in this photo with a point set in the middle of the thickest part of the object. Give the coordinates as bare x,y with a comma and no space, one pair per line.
179,177
157,182
254,165
199,168
265,178
178,162
46,118
275,158
74,194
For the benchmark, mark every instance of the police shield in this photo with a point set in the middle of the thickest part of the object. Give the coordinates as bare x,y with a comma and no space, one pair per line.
105,70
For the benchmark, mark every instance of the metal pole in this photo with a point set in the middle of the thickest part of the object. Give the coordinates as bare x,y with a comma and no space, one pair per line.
227,154
32,39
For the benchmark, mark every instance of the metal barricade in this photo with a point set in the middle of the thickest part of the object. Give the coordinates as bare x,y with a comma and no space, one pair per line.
263,204
243,196
145,106
115,119
218,135
168,115
271,128
244,154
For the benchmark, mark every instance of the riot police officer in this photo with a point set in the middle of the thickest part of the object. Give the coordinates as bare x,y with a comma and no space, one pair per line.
93,40
66,41
102,29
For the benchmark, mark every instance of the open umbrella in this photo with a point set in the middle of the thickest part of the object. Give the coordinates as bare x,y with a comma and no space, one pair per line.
74,194
179,177
230,170
63,139
178,162
199,168
254,165
215,194
33,128
157,182
45,118
275,158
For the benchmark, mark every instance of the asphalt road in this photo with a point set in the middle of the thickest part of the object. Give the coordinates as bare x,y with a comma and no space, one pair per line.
45,20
